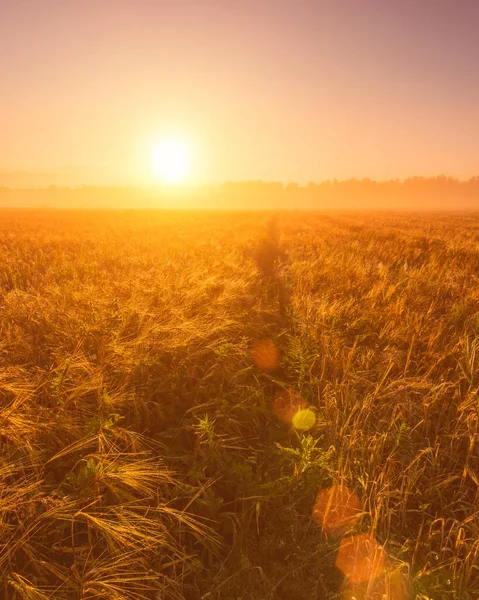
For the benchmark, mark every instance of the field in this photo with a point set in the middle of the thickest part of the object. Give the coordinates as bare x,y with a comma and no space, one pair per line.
152,368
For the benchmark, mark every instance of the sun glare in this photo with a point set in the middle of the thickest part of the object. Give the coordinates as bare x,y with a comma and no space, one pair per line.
171,161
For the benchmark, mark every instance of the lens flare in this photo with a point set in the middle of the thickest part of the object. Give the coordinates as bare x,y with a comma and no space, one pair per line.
361,558
265,355
393,584
304,419
287,404
337,509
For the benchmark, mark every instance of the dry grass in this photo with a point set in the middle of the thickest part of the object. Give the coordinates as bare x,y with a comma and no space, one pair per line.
140,453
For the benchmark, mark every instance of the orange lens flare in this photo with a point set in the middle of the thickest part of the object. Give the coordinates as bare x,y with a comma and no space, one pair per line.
287,404
392,585
265,355
361,558
337,509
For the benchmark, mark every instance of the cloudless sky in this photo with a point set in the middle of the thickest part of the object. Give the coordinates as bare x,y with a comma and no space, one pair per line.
279,90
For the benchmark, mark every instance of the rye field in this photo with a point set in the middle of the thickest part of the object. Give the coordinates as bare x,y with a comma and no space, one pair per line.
239,406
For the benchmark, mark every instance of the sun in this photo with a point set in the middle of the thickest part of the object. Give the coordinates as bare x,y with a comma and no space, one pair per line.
171,161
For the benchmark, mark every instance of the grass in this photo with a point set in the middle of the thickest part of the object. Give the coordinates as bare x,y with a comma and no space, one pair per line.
142,452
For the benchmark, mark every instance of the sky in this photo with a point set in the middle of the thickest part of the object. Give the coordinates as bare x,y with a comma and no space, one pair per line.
277,90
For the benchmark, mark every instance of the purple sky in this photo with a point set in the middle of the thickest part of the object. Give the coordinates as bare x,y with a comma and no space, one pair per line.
273,90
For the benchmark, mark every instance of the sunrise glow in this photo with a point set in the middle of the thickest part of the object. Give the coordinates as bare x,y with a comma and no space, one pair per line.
171,161
239,316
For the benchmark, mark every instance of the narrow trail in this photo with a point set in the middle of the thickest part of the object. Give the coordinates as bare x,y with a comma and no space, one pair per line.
274,297
301,538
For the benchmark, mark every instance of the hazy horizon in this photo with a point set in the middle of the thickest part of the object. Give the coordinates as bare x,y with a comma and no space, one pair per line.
416,193
273,91
25,180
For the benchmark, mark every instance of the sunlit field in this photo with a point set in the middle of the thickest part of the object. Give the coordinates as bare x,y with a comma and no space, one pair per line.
239,406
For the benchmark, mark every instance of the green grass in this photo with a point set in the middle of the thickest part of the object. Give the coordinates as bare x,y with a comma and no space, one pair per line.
141,454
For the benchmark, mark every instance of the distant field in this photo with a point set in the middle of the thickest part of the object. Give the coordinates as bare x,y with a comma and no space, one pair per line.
152,368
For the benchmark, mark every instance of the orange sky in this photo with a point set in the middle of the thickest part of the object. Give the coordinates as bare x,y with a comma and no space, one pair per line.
276,90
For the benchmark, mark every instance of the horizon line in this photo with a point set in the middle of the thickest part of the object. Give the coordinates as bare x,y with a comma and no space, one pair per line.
185,186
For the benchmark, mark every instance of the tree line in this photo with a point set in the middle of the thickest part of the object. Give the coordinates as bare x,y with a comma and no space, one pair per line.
415,193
